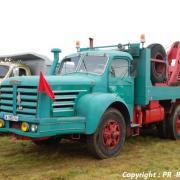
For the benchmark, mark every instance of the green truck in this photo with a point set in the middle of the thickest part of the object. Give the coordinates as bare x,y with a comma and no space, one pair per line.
103,94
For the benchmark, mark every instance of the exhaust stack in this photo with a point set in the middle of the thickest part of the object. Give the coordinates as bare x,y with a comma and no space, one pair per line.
91,43
56,52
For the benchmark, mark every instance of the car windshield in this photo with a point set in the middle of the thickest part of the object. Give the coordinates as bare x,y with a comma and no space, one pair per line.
3,71
93,64
83,63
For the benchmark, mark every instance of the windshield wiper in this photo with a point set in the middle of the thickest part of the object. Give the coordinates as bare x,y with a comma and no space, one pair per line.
124,74
85,65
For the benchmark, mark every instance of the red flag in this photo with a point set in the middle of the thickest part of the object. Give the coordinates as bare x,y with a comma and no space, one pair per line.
44,86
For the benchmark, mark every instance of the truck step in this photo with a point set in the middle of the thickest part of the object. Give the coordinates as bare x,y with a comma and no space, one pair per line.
135,125
135,129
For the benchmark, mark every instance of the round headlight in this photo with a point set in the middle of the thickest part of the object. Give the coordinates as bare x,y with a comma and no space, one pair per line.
34,127
24,126
1,123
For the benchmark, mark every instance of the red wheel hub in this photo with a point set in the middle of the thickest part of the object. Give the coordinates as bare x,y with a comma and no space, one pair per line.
111,134
178,124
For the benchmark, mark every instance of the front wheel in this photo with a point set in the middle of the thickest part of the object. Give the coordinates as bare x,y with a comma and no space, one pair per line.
109,137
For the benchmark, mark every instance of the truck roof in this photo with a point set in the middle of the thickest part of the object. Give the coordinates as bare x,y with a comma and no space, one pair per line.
107,52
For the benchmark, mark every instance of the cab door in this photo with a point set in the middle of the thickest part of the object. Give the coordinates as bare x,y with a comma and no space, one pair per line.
120,81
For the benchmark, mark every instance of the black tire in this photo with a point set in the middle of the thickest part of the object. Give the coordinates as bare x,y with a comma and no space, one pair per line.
96,141
52,141
162,128
158,70
175,117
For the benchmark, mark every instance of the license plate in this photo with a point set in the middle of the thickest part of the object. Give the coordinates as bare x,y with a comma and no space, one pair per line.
11,118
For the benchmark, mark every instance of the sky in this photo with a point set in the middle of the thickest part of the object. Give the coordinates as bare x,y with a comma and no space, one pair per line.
39,25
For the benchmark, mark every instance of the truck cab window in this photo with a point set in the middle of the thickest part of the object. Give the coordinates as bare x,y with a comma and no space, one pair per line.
119,68
69,65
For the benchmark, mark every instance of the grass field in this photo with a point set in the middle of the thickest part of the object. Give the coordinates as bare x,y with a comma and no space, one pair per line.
23,160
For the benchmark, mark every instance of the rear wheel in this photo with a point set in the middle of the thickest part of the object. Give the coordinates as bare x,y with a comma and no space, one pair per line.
158,69
174,126
110,135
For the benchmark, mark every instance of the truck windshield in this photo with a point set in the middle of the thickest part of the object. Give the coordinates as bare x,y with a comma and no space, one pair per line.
89,64
3,71
93,64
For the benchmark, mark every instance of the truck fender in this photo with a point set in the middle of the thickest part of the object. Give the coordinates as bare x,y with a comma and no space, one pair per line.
92,107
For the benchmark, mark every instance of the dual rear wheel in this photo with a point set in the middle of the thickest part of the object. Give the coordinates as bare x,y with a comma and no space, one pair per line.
170,127
174,124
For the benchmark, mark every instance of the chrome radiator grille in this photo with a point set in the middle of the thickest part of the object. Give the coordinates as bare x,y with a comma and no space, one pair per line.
25,104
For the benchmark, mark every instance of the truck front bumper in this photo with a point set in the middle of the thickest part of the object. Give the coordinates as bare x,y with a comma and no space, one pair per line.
47,127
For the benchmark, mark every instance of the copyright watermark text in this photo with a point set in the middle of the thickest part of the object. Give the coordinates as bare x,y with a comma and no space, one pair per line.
150,174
